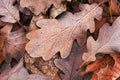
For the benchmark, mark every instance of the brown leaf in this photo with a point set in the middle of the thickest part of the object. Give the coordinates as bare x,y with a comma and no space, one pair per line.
8,12
107,5
58,35
70,64
1,42
99,63
14,42
2,23
110,72
108,41
38,6
115,7
2,58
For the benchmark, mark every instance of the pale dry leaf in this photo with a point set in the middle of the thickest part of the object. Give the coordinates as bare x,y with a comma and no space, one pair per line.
8,12
34,20
58,35
54,12
18,72
68,0
108,41
38,6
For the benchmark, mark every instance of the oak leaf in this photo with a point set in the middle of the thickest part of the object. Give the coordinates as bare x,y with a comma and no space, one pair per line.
58,35
38,6
108,41
99,63
70,64
8,12
110,72
13,42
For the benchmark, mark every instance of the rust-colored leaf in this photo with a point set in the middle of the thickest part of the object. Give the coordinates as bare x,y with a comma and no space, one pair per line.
2,57
110,72
115,7
101,62
13,42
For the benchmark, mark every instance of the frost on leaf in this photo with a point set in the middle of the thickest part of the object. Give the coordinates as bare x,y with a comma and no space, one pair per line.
58,35
108,41
13,42
38,6
8,12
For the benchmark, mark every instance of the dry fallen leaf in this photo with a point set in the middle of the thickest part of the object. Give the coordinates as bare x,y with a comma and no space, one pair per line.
55,34
2,23
2,58
13,42
70,64
115,7
8,12
102,61
34,19
110,72
58,35
107,67
54,12
38,6
108,41
16,73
